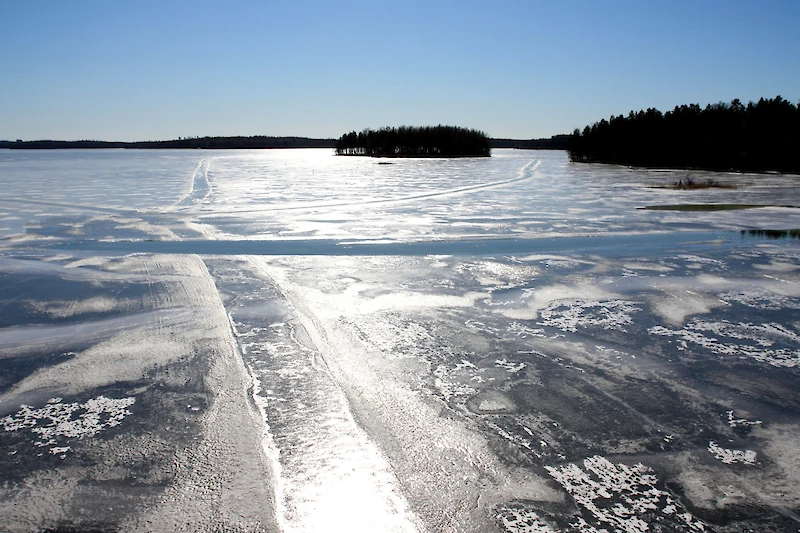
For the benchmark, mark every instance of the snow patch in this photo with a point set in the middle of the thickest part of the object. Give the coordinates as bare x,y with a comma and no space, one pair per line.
520,520
620,498
764,336
729,457
68,420
523,331
741,422
763,300
569,315
509,366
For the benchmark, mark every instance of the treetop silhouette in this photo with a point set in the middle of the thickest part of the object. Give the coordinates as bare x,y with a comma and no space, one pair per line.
405,141
762,136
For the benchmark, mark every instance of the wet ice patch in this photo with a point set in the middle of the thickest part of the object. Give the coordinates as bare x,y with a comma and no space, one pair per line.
410,300
569,315
620,498
763,337
675,306
498,275
125,357
729,457
57,421
69,308
548,296
778,266
491,402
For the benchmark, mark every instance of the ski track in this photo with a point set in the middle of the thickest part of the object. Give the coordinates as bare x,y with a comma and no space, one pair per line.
444,467
224,481
332,475
199,187
524,173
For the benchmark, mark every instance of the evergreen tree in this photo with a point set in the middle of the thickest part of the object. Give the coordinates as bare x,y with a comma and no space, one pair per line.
759,137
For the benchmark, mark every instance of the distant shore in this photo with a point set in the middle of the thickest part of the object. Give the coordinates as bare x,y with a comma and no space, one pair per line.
226,143
557,142
208,143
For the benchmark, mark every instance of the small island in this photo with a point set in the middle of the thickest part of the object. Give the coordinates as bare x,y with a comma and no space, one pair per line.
757,137
405,141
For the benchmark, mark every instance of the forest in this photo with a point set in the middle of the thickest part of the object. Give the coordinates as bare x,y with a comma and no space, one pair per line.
405,141
757,137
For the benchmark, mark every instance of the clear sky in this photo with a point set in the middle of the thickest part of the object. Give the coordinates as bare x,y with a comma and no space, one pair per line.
150,70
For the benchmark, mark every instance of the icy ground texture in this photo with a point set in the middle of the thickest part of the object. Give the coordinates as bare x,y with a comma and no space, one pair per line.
395,393
509,348
152,417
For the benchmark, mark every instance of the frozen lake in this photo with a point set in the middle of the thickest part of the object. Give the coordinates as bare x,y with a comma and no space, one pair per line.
293,341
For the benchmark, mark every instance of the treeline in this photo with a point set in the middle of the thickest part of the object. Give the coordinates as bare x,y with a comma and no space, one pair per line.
405,141
209,143
556,142
762,136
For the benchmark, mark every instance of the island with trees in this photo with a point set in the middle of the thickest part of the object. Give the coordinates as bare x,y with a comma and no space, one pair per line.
759,137
405,141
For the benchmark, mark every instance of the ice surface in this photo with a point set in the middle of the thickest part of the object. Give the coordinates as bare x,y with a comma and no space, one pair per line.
285,340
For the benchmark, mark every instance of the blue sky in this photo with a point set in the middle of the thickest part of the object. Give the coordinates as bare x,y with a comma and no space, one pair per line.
146,70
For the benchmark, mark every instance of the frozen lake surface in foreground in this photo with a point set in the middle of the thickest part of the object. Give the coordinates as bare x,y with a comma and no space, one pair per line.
293,341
